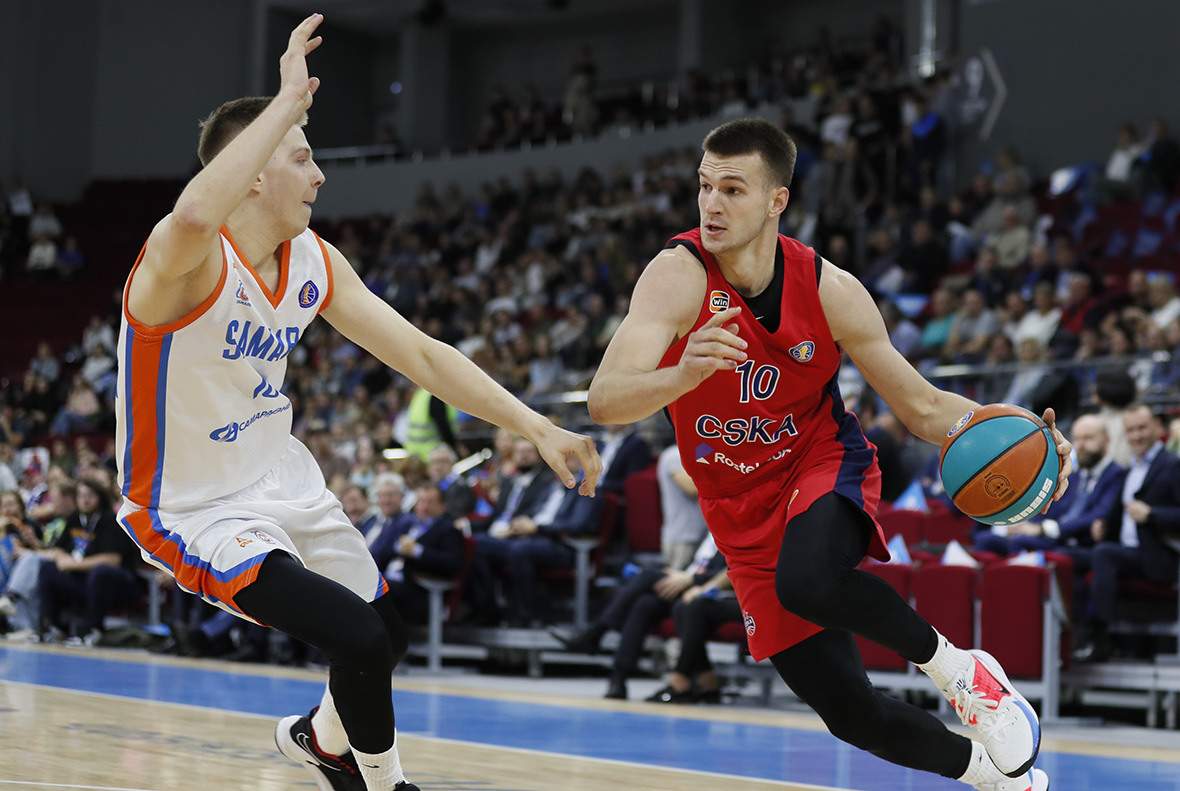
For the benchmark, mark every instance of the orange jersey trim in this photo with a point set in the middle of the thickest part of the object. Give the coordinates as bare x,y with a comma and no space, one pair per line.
166,329
284,267
328,267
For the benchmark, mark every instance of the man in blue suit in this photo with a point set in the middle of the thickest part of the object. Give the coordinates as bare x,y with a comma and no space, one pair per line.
623,451
1094,489
1139,536
425,542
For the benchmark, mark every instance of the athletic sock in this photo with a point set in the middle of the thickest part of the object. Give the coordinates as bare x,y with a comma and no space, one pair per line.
981,770
325,724
946,663
382,771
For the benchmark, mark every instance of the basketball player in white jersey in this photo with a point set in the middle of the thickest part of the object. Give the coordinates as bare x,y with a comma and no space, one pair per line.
216,489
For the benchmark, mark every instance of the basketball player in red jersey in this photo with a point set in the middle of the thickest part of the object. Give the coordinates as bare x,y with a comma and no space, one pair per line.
738,331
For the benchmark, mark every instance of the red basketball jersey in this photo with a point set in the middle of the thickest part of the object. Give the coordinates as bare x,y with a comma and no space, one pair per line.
780,411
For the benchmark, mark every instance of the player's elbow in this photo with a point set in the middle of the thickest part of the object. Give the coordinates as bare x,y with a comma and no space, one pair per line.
599,406
189,219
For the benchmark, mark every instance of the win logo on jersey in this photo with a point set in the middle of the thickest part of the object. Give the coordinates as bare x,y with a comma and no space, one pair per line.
718,301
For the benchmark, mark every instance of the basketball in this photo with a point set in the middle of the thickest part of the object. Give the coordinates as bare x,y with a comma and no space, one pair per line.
999,464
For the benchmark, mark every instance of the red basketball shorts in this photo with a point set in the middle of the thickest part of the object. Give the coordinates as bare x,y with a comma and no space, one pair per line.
749,527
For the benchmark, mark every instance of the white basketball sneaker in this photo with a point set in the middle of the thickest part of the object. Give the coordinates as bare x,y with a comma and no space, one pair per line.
987,702
1036,780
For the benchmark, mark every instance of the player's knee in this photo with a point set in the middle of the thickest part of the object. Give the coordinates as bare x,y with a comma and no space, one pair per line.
368,647
803,594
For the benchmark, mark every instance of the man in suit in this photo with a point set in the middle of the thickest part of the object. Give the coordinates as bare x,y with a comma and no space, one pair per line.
537,542
1140,534
424,542
623,452
457,495
523,495
389,490
1094,488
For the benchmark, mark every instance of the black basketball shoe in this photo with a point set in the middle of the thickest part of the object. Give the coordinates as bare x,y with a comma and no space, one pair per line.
295,739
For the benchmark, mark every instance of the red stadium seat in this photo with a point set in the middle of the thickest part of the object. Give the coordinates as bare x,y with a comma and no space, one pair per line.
945,596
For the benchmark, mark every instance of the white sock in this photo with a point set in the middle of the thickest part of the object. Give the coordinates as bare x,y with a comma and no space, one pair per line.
946,663
981,770
382,771
326,725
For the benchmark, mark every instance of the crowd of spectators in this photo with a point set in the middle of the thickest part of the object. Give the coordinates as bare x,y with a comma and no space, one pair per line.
530,277
33,242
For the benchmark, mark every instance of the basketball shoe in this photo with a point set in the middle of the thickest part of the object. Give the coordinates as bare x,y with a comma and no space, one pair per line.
986,701
296,740
1036,780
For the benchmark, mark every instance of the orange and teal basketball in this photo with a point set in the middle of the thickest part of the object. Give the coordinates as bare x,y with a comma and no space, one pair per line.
999,464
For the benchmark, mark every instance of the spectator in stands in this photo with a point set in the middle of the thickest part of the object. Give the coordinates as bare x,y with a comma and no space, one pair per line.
1079,301
1115,182
388,491
903,333
623,451
1159,165
41,263
638,603
943,308
91,564
8,480
684,526
971,331
44,363
697,614
81,412
1138,536
423,543
20,214
45,223
1010,193
23,588
319,442
1162,297
354,501
1008,162
34,489
537,541
1041,322
924,260
1114,391
579,111
458,498
1012,241
988,278
14,521
523,494
995,385
1094,487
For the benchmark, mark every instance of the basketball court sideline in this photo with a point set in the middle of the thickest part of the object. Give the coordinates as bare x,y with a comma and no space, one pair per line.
110,720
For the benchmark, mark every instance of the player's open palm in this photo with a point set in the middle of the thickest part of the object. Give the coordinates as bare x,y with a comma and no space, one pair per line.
714,347
293,63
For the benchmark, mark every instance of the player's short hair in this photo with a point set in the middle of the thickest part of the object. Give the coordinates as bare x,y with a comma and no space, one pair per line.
755,136
227,122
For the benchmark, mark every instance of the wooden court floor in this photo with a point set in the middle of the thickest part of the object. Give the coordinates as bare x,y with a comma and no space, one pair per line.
113,721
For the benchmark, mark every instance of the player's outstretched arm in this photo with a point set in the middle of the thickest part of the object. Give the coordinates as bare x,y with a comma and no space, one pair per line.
629,384
187,237
368,321
857,326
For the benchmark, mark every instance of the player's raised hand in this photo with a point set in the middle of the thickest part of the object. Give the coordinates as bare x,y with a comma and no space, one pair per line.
1064,450
293,63
714,347
566,452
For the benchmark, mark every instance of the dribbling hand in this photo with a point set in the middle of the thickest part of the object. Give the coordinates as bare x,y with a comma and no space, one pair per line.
714,347
293,63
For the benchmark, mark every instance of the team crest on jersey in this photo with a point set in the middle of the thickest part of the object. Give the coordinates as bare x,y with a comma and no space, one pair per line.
718,301
242,297
308,295
803,352
748,621
960,423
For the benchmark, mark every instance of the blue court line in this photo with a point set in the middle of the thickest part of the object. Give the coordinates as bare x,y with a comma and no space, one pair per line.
755,751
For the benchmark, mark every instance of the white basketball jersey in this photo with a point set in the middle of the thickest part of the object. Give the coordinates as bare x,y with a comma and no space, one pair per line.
199,412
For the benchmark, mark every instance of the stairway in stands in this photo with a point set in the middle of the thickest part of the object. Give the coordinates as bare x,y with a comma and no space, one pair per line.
111,223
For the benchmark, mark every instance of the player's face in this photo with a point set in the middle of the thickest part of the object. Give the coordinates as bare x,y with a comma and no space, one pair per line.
736,201
291,180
